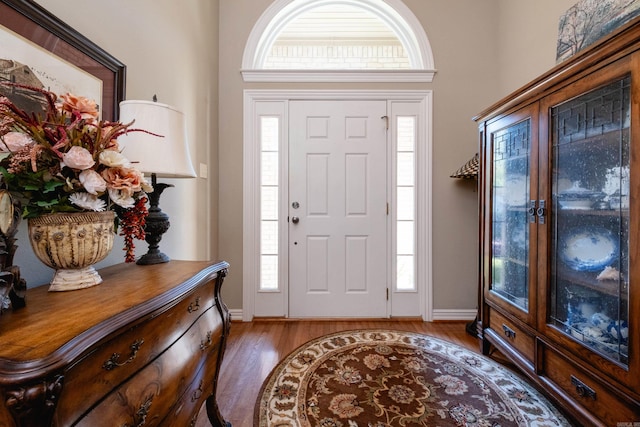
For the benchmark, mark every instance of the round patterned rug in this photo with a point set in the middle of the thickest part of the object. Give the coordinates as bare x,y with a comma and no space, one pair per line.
376,378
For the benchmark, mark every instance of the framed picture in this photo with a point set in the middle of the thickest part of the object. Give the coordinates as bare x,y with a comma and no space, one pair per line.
38,49
589,20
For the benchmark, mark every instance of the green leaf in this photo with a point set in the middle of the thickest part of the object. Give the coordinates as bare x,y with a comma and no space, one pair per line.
52,185
46,204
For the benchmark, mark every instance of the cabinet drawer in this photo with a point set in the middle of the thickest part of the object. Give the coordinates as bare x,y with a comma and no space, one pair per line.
147,397
588,392
516,337
118,359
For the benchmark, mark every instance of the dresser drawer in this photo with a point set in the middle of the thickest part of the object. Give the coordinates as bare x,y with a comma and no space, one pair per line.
146,399
185,412
587,391
118,359
512,334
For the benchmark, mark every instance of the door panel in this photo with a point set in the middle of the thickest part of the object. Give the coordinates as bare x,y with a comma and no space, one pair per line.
338,231
512,186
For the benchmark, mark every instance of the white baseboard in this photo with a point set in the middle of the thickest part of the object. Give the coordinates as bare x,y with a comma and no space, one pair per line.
438,314
236,314
453,314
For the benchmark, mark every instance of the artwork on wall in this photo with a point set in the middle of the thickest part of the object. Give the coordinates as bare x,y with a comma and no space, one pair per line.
589,20
25,63
38,49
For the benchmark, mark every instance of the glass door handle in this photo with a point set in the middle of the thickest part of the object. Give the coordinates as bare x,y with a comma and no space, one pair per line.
532,211
541,212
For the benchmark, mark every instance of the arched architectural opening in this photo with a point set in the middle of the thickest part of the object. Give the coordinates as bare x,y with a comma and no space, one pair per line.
338,40
272,157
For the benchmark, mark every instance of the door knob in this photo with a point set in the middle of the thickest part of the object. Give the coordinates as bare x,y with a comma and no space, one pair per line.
295,219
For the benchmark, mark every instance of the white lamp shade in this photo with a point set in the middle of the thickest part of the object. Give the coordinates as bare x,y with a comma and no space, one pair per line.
166,156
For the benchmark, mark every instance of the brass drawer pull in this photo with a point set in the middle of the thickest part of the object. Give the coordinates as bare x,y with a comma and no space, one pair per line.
197,394
140,417
508,332
194,307
113,363
582,389
206,342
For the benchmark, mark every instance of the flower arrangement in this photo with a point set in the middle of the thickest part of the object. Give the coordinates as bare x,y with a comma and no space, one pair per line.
63,159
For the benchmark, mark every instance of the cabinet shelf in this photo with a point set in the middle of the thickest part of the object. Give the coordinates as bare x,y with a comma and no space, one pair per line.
624,213
512,260
617,352
588,280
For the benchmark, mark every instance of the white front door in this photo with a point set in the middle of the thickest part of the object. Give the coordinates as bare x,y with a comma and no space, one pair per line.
338,215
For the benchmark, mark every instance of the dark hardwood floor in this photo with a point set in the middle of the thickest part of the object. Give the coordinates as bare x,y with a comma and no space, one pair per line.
255,348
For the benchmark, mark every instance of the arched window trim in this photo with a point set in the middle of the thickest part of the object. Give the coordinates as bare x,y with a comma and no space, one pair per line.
393,12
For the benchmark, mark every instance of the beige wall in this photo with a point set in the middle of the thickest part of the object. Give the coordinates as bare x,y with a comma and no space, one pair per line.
528,35
482,50
170,49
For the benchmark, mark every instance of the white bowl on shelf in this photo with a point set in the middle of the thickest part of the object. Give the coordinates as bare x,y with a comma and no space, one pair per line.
582,204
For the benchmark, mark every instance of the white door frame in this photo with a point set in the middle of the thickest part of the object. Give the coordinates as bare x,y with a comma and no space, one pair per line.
251,184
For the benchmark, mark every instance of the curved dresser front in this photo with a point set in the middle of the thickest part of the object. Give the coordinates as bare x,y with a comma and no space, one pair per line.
142,348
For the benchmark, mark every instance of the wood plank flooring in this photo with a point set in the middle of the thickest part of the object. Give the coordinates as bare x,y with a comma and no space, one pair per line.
255,348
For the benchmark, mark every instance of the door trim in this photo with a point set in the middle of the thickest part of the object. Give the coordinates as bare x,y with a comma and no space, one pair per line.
251,184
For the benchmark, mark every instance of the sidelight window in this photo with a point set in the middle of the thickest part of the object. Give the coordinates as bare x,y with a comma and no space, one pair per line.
405,203
269,201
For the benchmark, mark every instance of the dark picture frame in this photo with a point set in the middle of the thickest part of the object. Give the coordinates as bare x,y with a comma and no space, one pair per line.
31,21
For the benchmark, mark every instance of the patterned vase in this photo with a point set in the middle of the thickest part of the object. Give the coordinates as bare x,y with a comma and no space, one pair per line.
71,243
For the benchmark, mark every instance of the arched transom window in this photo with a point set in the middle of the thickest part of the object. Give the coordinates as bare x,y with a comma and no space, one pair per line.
337,36
338,40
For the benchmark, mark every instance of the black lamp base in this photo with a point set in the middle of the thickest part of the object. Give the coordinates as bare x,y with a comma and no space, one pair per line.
157,223
153,258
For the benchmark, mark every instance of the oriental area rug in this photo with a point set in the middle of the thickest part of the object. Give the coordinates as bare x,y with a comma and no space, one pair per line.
376,378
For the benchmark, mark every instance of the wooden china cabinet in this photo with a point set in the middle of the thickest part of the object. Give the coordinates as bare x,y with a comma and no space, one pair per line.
560,231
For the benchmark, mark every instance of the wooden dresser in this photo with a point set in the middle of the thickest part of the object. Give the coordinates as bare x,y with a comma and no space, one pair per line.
142,348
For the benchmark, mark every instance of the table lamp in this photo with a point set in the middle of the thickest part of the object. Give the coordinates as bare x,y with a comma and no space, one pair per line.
164,157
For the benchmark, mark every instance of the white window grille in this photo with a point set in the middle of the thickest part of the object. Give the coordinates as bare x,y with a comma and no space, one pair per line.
269,202
405,203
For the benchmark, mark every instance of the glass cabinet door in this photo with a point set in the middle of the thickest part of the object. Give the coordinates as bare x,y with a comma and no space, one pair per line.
590,219
511,149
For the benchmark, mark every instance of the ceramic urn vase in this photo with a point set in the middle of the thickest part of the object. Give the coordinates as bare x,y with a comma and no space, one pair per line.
71,243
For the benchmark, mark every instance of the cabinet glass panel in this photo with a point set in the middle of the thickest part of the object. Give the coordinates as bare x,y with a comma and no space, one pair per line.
590,219
510,228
